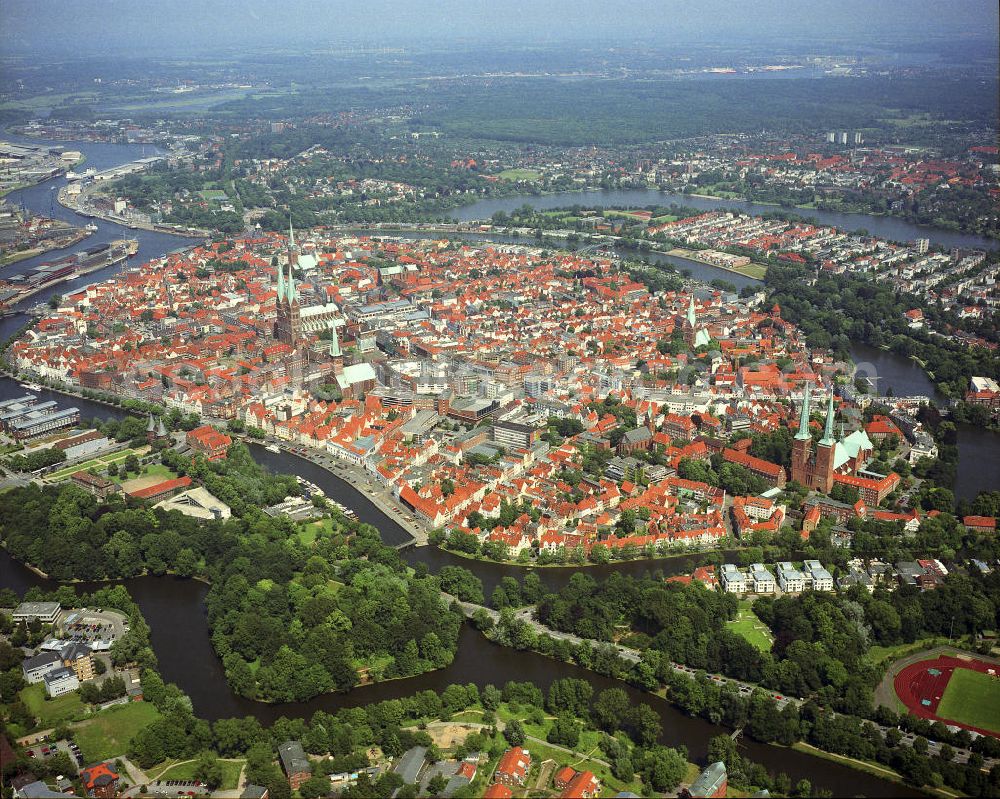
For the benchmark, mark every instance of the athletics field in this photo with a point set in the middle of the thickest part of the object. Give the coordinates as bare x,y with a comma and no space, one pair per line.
962,691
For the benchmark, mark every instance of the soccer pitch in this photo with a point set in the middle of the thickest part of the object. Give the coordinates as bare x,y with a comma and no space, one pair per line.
973,698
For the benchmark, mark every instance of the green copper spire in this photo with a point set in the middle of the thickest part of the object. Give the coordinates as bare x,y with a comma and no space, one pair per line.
281,283
334,342
690,315
828,439
290,290
804,415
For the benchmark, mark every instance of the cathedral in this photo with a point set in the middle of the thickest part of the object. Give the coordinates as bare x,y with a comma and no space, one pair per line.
288,328
816,468
693,336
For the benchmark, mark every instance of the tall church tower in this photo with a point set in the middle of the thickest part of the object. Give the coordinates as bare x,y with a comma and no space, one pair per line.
814,470
802,443
824,453
289,322
293,251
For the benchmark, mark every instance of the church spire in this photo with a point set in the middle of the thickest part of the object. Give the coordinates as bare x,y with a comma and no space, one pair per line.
828,440
281,283
690,314
334,342
804,415
290,289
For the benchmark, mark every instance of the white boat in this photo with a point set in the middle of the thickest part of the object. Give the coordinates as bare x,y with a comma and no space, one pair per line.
30,386
273,448
91,227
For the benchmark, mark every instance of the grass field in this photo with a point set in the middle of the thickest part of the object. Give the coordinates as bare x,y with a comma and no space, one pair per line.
747,625
51,712
636,215
519,174
185,771
308,532
107,734
100,463
152,470
973,698
877,655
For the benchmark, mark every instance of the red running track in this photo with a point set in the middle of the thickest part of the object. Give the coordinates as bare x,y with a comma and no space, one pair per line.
915,683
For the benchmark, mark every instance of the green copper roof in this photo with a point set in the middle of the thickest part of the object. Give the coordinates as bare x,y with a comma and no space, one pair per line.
804,415
334,342
828,440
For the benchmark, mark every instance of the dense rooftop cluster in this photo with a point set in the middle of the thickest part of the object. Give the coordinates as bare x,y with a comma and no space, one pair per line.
535,401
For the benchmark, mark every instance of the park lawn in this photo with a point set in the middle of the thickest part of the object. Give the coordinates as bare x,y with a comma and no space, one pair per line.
100,463
748,626
308,533
51,712
152,470
754,270
185,771
876,655
519,174
665,218
107,734
973,698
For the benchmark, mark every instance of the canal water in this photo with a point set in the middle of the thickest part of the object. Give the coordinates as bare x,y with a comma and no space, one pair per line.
175,611
886,227
978,449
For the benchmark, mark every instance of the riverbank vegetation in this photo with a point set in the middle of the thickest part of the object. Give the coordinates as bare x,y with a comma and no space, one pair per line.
833,310
810,633
820,640
289,620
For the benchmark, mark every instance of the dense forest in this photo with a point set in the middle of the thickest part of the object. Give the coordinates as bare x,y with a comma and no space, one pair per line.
613,111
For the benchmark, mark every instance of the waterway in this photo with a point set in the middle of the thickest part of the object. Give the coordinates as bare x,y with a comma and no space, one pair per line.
886,227
978,449
175,611
175,607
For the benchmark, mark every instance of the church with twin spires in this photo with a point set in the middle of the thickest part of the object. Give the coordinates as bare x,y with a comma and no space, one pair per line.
288,328
817,467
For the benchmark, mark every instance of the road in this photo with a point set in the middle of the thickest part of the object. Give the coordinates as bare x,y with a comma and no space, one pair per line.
634,656
360,479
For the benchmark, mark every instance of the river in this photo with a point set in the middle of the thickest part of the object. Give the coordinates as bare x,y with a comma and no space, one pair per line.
175,611
978,449
886,227
175,608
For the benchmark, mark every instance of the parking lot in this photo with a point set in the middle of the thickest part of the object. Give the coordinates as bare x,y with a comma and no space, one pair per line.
176,788
45,750
96,627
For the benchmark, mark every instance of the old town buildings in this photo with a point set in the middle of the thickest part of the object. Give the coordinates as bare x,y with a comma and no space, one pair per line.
537,401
